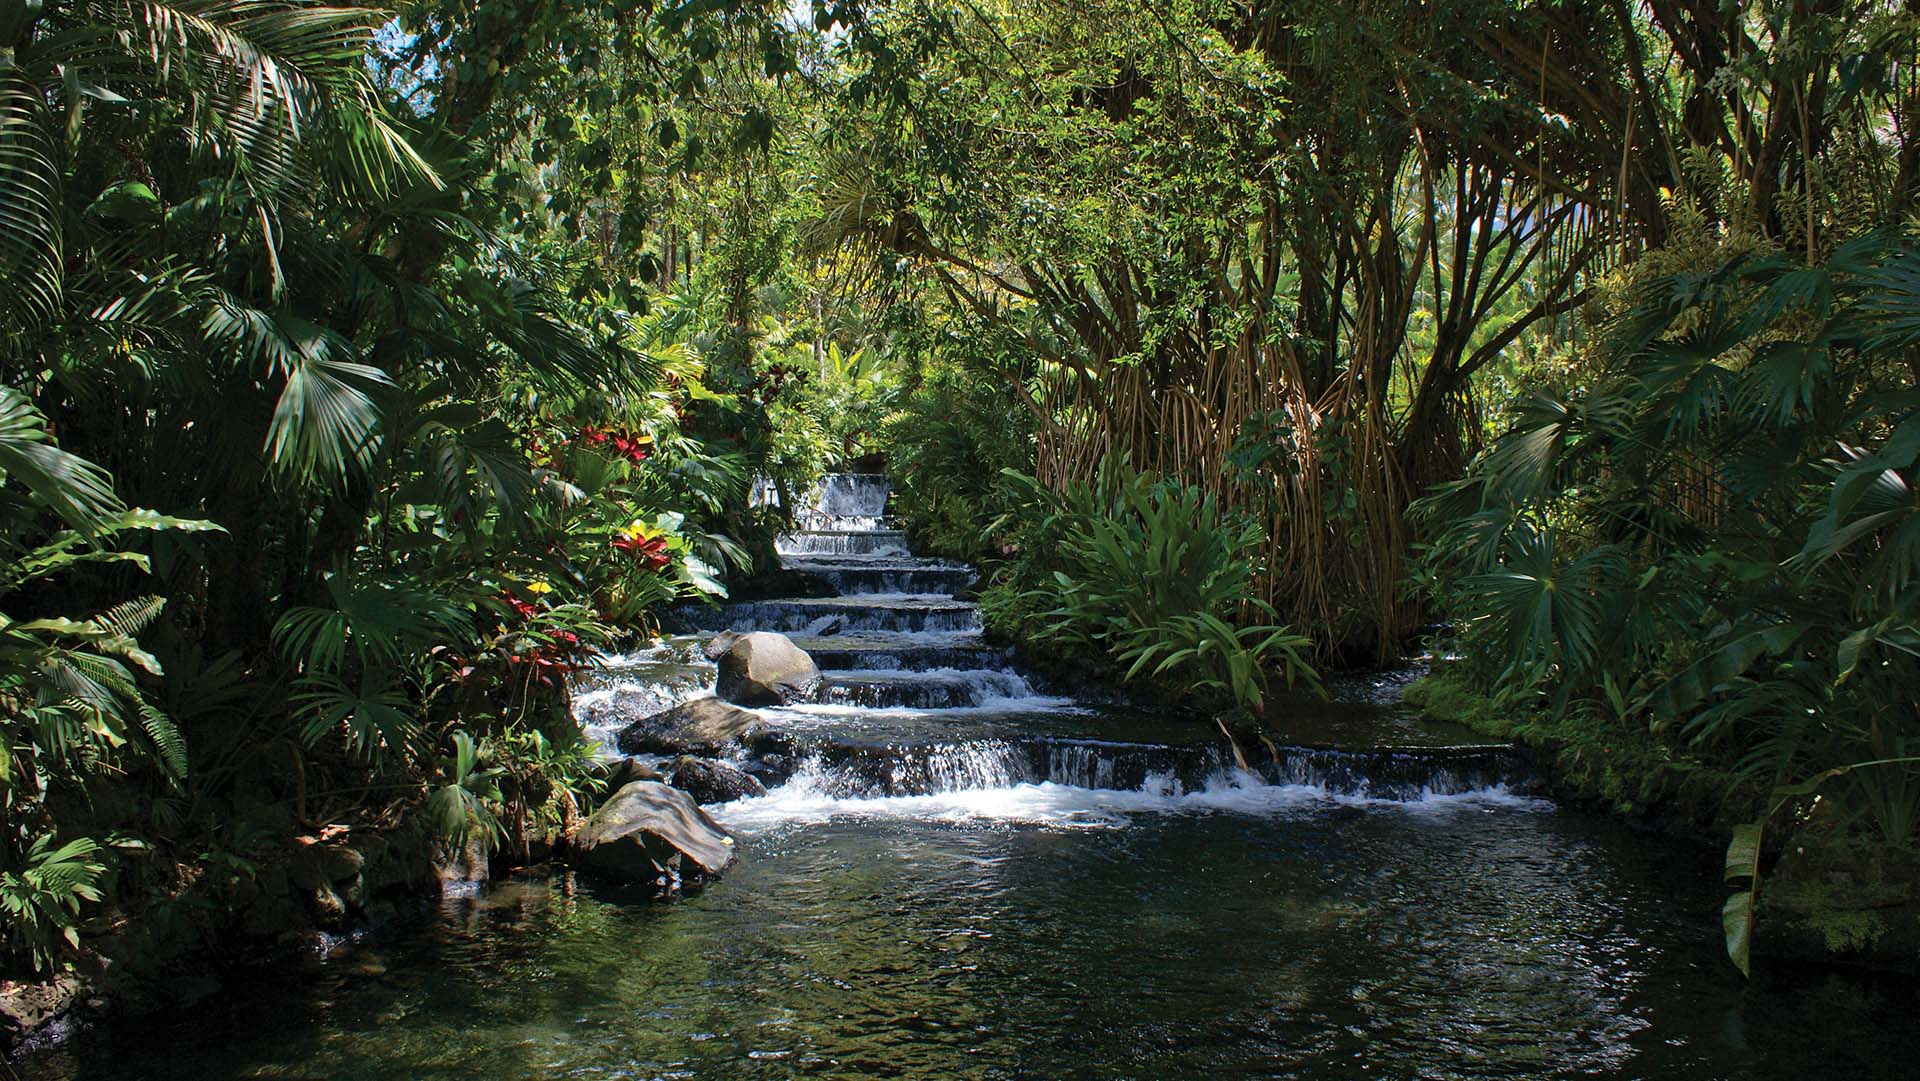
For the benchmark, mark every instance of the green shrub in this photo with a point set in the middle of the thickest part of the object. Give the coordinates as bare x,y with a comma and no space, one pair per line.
947,444
1710,553
1155,574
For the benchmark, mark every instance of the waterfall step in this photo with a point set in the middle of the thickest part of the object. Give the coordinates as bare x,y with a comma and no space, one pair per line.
848,764
947,688
858,560
909,613
895,653
850,577
850,523
834,542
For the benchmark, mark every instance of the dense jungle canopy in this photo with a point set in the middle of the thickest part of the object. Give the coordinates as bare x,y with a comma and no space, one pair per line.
364,372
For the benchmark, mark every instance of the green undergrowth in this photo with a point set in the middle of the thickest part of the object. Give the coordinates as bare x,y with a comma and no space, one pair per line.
1153,575
1830,894
1597,760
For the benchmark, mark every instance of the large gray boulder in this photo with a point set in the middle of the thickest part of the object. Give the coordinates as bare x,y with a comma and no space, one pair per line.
762,669
653,834
706,727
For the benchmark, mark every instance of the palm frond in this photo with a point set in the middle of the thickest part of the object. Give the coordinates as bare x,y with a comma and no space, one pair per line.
30,207
326,418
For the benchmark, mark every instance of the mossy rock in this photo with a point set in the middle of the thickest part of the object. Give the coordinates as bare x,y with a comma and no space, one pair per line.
1834,895
649,832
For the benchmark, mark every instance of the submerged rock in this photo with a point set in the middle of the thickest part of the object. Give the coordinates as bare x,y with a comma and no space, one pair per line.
762,669
653,834
706,727
709,781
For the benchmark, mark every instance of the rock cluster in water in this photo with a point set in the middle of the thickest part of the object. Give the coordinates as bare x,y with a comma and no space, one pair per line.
720,751
706,728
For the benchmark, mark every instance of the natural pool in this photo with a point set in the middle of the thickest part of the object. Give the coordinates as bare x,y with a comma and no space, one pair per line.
1042,931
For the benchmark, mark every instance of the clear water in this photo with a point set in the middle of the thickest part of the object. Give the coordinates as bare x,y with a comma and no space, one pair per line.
1315,938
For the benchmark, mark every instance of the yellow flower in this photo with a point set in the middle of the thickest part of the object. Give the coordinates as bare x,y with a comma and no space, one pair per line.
637,530
539,588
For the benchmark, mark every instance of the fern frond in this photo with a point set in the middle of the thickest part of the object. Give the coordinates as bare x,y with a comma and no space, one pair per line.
131,617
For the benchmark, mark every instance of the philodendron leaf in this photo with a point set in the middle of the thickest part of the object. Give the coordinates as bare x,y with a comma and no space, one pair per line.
1743,863
1736,916
698,574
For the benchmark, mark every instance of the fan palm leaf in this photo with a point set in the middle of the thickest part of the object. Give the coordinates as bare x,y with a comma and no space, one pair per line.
276,92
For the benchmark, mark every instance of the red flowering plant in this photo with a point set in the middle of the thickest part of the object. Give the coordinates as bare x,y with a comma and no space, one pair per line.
648,544
633,447
518,666
626,559
655,561
611,463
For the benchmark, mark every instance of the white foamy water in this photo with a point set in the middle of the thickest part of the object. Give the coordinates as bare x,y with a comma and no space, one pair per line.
844,543
808,799
810,714
657,676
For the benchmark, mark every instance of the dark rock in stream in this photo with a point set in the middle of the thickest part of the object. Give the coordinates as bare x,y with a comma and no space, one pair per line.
771,769
706,727
651,834
29,1008
710,781
762,669
618,773
316,865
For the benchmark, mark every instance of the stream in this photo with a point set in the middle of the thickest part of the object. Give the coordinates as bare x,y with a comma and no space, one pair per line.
970,877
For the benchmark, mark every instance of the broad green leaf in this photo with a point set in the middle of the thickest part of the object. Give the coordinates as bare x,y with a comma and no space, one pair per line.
1736,923
1743,853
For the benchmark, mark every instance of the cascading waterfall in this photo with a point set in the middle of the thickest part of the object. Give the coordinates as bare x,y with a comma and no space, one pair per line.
841,502
919,716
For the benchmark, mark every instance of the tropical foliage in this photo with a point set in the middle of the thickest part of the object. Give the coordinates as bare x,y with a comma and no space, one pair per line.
264,271
1150,572
364,372
1713,539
